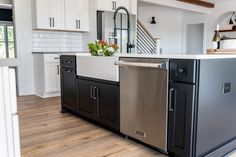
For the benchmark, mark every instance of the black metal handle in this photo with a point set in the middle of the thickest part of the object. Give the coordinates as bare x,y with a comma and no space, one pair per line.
171,107
58,70
50,22
97,100
180,70
76,24
91,92
53,22
95,93
69,71
79,24
69,62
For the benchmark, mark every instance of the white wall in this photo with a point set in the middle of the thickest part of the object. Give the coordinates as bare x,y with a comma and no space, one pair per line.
168,27
23,26
194,38
5,1
220,14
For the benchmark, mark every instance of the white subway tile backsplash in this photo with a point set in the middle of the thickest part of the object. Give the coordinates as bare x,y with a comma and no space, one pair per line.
49,41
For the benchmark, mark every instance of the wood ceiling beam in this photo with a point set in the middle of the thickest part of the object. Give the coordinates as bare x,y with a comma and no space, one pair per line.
199,3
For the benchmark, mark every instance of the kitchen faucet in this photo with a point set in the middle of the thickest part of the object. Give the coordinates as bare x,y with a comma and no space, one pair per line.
129,45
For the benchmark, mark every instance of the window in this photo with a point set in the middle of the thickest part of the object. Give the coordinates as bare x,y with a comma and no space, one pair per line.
7,41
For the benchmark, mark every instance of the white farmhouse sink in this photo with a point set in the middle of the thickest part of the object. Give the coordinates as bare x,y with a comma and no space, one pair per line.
98,67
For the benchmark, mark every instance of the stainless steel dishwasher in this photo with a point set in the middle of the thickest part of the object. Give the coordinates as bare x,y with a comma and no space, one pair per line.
143,110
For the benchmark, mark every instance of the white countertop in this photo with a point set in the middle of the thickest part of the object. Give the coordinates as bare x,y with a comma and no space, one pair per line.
166,56
174,56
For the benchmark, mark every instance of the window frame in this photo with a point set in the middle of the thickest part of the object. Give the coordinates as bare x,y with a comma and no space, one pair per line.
6,40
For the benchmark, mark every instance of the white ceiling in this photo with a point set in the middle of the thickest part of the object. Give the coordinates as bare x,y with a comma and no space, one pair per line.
216,1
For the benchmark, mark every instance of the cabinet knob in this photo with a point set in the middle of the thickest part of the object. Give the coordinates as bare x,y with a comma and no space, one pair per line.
180,70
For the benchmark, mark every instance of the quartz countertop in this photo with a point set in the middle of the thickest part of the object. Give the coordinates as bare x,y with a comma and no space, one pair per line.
180,56
164,56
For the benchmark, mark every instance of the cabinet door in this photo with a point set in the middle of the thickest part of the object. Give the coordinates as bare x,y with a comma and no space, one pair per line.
108,108
181,105
43,18
57,14
82,15
51,77
123,3
86,105
70,14
68,89
106,5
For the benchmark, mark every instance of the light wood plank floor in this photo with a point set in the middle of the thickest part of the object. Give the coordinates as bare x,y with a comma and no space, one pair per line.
47,133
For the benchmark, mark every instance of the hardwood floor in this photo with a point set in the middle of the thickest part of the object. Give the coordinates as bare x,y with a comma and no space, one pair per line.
45,132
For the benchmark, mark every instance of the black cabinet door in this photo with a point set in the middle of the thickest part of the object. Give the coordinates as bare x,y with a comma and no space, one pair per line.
68,89
108,108
181,105
86,101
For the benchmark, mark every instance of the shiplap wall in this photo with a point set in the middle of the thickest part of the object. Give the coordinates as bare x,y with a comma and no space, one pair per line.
49,41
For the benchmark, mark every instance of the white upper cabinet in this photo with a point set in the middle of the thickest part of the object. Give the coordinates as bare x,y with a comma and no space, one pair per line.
49,14
58,14
68,15
77,15
112,5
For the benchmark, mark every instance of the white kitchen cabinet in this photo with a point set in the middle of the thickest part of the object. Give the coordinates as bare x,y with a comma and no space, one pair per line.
77,15
47,75
112,5
49,14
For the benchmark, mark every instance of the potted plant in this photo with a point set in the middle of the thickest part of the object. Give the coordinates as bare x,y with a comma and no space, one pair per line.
102,48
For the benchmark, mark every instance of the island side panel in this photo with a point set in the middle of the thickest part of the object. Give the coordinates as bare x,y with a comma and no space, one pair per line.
216,122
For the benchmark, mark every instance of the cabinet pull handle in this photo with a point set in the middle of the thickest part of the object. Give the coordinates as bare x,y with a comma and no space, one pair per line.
95,93
97,97
91,92
56,58
50,22
171,107
58,70
69,71
115,6
79,24
76,24
53,22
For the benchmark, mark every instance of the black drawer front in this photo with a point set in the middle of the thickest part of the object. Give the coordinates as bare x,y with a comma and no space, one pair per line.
68,71
68,61
183,70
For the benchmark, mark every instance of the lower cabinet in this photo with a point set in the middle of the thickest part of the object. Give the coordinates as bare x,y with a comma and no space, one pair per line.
68,89
180,123
99,101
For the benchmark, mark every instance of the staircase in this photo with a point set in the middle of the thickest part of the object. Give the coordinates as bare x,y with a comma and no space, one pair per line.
146,43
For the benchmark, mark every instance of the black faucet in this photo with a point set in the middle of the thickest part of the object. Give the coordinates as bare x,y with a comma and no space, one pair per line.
129,45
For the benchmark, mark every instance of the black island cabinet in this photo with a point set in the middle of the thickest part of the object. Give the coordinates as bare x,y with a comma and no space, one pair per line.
94,99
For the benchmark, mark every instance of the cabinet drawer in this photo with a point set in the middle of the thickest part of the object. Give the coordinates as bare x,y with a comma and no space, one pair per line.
183,70
68,61
51,58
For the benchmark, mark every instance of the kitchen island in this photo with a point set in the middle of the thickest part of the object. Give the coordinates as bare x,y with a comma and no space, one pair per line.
200,105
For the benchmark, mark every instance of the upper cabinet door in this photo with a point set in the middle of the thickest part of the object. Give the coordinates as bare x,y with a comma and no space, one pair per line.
112,5
123,3
77,15
58,13
82,13
49,14
70,14
43,18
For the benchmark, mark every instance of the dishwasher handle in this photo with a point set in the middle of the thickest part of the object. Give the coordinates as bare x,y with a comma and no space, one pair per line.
140,64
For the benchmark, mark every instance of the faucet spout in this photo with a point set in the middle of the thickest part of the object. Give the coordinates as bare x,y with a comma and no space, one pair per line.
129,45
